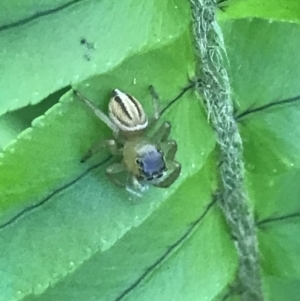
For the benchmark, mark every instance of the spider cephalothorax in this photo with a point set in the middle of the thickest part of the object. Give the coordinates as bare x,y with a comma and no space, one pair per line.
143,158
152,166
151,163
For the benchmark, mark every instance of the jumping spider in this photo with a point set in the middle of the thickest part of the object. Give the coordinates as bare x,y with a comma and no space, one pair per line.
143,160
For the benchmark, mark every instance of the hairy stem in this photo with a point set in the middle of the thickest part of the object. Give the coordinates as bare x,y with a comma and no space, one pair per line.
214,87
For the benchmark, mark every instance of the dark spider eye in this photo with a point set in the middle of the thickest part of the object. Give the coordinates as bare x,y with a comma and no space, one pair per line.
151,164
159,176
139,162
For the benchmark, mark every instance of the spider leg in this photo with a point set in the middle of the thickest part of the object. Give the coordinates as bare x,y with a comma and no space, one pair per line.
111,145
134,186
155,102
162,133
113,172
171,150
170,178
96,111
174,168
155,99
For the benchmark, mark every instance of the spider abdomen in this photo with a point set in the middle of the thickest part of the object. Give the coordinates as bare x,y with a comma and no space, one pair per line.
127,112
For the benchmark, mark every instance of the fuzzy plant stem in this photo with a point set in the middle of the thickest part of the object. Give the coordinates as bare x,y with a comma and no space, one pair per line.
214,87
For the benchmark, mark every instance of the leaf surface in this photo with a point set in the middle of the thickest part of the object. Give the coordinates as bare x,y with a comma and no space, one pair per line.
67,233
65,42
264,69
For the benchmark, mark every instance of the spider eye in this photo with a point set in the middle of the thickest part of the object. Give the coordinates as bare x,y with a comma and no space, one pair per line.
151,164
139,162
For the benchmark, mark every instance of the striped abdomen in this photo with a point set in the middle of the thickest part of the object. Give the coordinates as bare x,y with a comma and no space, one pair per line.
127,112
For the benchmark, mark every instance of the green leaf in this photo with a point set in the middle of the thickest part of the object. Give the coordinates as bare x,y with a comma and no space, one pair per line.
280,289
154,258
288,10
261,75
264,64
67,233
46,47
69,215
14,123
59,139
14,12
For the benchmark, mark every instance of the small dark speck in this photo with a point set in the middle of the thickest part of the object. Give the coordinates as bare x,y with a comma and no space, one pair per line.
88,48
88,45
87,57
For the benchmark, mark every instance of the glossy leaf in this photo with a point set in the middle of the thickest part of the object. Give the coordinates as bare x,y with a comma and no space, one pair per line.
67,233
45,47
288,10
58,140
260,75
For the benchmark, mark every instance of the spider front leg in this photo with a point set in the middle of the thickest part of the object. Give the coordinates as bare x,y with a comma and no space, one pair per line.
134,186
171,147
96,111
111,145
113,173
155,103
162,133
173,166
131,183
169,179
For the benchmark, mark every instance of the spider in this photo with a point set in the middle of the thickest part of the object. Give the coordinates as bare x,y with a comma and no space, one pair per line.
148,159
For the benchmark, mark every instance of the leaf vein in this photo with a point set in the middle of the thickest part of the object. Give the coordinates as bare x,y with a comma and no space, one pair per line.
37,16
